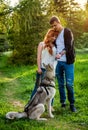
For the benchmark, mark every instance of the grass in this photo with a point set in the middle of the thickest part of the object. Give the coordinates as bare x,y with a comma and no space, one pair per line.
16,84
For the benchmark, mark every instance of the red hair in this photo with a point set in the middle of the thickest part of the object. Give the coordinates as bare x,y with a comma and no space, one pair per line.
47,40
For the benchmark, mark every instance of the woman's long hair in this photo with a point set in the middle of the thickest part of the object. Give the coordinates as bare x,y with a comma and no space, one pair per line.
47,40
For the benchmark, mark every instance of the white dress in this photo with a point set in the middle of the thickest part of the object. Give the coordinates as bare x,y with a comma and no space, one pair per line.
46,57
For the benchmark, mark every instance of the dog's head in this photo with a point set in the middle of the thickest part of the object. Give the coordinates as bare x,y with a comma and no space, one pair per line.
49,71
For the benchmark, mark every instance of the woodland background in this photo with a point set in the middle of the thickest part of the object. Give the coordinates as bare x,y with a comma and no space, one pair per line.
22,27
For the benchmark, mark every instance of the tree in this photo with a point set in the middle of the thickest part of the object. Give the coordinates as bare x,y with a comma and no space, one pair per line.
70,13
85,25
4,25
29,32
82,42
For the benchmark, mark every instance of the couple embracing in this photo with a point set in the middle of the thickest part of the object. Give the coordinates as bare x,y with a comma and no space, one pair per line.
58,45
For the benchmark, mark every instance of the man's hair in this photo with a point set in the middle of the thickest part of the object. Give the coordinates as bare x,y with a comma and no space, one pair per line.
53,19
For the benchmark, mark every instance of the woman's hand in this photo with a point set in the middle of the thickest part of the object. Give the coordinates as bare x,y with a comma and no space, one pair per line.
39,71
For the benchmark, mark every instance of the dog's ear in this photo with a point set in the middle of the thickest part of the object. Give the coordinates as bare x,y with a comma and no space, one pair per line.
50,67
44,65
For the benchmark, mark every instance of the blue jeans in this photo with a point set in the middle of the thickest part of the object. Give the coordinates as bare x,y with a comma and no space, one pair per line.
38,76
65,77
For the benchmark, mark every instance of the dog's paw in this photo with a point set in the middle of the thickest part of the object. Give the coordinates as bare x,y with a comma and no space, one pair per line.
51,116
10,117
42,119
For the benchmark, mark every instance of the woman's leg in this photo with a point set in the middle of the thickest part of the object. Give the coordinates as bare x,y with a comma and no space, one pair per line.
39,77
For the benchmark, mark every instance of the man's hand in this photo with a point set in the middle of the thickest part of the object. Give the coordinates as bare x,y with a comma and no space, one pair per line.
58,56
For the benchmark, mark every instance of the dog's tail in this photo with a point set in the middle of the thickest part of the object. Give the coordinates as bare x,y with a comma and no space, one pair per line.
15,115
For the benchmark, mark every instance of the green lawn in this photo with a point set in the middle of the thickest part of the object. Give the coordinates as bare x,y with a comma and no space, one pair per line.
16,84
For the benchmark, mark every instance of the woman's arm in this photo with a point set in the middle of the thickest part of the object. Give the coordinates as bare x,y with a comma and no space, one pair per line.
39,53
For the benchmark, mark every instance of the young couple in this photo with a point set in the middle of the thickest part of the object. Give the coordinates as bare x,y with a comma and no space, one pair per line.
58,44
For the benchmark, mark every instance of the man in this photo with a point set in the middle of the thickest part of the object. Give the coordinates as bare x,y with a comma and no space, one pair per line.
65,58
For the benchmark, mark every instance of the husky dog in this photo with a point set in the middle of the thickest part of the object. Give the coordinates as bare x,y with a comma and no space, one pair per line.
44,95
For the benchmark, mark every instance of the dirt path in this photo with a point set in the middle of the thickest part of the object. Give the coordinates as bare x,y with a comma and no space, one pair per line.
8,88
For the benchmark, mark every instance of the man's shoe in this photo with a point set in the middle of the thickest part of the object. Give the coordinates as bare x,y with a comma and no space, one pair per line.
63,105
72,108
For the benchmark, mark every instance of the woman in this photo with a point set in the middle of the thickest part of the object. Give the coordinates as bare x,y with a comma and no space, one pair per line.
45,54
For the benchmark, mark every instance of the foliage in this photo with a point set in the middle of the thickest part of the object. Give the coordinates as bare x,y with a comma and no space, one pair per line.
26,24
85,25
3,18
3,43
28,32
83,41
70,11
16,84
4,25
